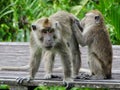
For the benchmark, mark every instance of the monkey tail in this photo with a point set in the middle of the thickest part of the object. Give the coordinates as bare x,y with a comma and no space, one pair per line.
21,68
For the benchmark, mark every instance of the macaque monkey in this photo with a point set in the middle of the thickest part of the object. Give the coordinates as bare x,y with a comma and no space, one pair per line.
96,37
50,36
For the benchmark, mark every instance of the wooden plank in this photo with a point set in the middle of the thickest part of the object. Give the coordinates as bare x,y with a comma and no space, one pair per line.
80,83
17,54
14,52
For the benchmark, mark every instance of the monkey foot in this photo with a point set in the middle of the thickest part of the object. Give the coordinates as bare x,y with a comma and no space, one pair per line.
84,76
68,86
55,76
20,80
75,77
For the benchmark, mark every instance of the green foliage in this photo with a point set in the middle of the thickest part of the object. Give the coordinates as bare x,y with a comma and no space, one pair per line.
16,16
89,88
4,87
111,12
50,88
114,19
63,88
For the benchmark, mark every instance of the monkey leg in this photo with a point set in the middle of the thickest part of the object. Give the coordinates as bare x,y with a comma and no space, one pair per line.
67,70
76,58
66,62
49,62
76,63
34,66
96,67
49,57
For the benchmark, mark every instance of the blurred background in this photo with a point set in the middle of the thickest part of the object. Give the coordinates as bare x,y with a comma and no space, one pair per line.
16,16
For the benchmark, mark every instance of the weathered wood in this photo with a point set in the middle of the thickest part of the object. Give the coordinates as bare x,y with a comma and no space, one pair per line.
80,83
17,54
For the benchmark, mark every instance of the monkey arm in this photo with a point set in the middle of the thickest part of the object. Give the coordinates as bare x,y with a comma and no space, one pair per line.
35,62
34,65
78,35
66,58
48,58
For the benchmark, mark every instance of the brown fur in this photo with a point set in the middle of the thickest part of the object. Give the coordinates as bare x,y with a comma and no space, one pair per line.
51,35
96,37
70,54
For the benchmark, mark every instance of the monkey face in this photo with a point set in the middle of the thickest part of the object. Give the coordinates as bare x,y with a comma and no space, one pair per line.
46,33
48,37
90,19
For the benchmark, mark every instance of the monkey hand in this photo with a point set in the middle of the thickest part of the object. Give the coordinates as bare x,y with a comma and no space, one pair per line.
84,76
20,80
50,76
68,83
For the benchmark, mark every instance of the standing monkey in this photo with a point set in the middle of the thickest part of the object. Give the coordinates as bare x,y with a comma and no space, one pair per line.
96,37
53,35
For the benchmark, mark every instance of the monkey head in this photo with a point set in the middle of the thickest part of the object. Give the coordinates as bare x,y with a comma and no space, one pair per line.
93,17
46,32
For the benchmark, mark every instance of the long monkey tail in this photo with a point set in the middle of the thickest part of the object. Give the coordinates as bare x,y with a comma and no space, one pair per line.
21,68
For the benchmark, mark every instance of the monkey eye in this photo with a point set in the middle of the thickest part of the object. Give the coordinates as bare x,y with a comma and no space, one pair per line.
33,27
51,31
97,18
54,37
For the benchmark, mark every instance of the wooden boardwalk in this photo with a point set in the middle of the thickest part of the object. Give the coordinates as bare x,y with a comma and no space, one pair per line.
17,54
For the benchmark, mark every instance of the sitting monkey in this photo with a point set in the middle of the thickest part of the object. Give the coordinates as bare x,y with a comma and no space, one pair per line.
96,37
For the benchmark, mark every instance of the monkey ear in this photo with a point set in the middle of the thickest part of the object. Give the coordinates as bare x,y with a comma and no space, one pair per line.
33,27
57,25
97,19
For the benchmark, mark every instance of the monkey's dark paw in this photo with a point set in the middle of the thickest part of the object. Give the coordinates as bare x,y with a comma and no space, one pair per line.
68,86
21,80
56,76
50,76
84,76
77,77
